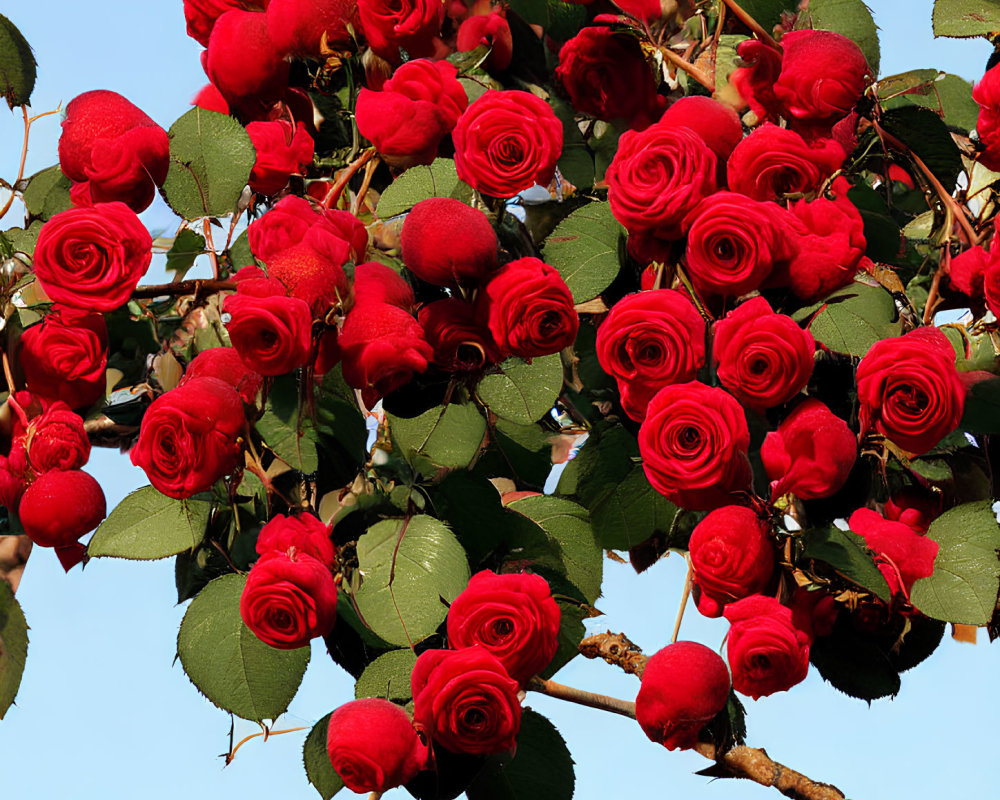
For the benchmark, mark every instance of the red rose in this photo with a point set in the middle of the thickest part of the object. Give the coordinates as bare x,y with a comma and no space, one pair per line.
54,440
512,616
684,686
190,437
210,99
60,506
447,243
913,508
12,485
903,555
649,340
458,334
466,701
767,653
987,94
506,142
289,599
273,335
694,444
300,533
735,243
297,27
811,454
201,15
491,30
991,286
411,25
755,81
732,557
112,151
413,112
311,275
607,77
657,177
243,63
376,283
65,357
281,152
967,271
910,391
225,364
92,258
373,746
716,123
339,235
530,309
764,359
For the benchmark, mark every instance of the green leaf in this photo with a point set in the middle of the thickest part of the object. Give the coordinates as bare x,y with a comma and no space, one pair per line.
23,240
211,157
767,12
523,392
966,18
186,248
927,136
316,759
147,525
966,577
13,646
388,677
542,766
726,58
47,193
450,436
289,438
845,552
561,20
571,633
949,96
631,513
17,67
852,319
935,471
850,18
584,248
576,162
411,575
982,407
420,182
240,253
228,663
854,663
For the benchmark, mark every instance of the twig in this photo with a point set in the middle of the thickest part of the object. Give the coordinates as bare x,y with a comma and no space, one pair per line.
346,174
359,200
932,295
181,288
206,226
624,707
265,733
617,649
752,24
687,67
684,601
24,153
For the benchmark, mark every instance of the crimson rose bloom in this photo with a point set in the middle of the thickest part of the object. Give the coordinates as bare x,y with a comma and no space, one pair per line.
201,15
764,359
273,335
458,334
512,616
190,437
910,391
694,444
732,557
92,258
297,26
530,309
811,454
649,340
684,686
903,555
243,63
281,152
65,357
987,94
492,30
373,746
377,283
465,700
413,112
755,81
305,273
717,123
991,286
447,243
967,270
225,364
391,25
289,599
60,506
767,653
338,235
300,533
506,142
55,439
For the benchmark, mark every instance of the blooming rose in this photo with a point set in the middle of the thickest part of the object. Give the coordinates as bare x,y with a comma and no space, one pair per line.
903,555
288,599
200,15
465,700
297,27
447,243
225,364
376,283
506,142
684,686
92,258
190,437
755,81
306,273
300,533
694,444
391,25
987,94
60,506
458,334
767,653
530,309
65,357
281,152
512,616
732,557
55,439
273,335
764,359
811,454
910,391
373,746
715,122
339,235
649,340
413,112
243,63
491,30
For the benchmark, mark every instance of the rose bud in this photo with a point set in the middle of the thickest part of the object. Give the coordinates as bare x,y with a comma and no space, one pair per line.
732,557
92,258
65,357
273,335
606,76
225,364
966,271
649,340
410,25
506,142
448,243
909,389
55,440
767,653
300,533
684,686
466,701
491,30
811,454
764,359
60,506
190,437
377,283
413,112
201,15
458,335
657,178
292,221
297,27
903,556
244,64
373,746
717,123
987,94
112,151
913,508
530,309
755,81
694,444
311,275
513,616
288,599
210,99
281,152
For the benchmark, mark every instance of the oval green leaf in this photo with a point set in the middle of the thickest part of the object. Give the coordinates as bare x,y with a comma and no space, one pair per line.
420,182
388,677
17,67
584,248
13,646
523,392
449,436
316,759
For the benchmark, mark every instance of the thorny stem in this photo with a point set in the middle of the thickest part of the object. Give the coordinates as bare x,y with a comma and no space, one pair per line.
752,24
363,191
330,201
181,288
206,226
932,295
24,153
265,733
687,67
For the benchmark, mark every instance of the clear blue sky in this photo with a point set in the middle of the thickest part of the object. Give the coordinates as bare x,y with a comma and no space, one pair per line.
103,712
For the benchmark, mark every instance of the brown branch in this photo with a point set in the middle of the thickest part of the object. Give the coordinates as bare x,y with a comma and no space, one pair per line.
14,552
330,201
933,295
180,288
687,67
752,24
617,649
754,764
624,707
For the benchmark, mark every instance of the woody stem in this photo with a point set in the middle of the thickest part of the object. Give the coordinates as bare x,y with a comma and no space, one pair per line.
583,698
752,24
180,288
687,67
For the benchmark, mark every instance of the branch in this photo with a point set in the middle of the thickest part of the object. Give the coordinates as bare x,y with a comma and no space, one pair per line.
617,649
180,288
752,24
583,698
687,67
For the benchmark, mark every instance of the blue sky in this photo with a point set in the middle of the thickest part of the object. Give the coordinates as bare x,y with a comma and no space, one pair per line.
104,713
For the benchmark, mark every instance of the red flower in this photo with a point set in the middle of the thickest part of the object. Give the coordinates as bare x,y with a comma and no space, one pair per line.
225,364
391,25
376,283
767,653
299,533
716,123
447,243
338,235
491,30
54,440
458,334
243,63
297,26
281,152
987,94
65,357
201,15
60,506
273,335
904,555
